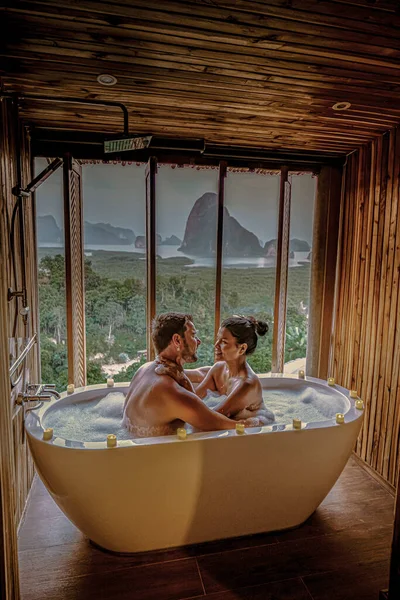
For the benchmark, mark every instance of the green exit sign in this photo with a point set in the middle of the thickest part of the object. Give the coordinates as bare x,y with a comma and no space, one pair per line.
126,144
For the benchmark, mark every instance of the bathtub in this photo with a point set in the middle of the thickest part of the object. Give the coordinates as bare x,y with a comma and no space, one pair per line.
161,492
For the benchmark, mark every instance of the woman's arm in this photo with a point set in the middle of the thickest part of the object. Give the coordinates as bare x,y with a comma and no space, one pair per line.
197,375
237,400
208,383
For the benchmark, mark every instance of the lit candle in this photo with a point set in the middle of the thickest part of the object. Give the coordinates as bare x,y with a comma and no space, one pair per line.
296,423
47,434
301,374
110,382
339,418
70,388
353,394
359,404
181,433
331,381
239,428
111,440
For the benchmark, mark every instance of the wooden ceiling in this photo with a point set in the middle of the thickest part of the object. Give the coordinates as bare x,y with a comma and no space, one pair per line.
235,72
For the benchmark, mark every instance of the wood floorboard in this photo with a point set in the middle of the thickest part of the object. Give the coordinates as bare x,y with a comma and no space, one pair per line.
164,581
361,582
309,556
291,589
344,546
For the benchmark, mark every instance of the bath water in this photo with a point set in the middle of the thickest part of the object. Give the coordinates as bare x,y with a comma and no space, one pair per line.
93,420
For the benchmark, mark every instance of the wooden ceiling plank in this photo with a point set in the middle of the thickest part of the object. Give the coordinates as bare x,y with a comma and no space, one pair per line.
205,57
150,40
358,44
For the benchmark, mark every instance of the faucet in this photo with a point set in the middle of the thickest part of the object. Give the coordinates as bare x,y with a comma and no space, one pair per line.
37,392
50,388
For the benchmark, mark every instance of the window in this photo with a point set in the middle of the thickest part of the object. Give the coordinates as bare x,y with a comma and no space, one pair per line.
298,294
51,278
186,201
186,222
249,253
115,267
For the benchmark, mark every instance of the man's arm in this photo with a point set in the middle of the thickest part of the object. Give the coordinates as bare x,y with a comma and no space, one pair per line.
186,406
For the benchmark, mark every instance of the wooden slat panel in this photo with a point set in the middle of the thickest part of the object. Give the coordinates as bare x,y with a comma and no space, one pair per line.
367,338
151,258
220,227
16,469
74,272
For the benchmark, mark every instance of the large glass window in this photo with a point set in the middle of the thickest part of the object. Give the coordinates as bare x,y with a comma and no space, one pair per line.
249,253
114,215
51,278
186,221
115,270
298,295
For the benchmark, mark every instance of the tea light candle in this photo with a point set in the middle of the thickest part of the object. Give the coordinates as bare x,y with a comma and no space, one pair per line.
301,374
353,394
359,404
181,433
339,418
296,423
239,428
110,382
70,388
111,440
331,381
47,434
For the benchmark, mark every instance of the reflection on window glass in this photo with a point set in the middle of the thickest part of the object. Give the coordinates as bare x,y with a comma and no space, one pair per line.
186,217
298,294
115,270
249,253
51,278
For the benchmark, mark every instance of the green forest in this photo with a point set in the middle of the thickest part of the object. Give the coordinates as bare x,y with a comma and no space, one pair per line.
116,309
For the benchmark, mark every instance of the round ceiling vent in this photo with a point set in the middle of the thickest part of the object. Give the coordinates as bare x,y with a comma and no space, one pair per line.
105,79
341,106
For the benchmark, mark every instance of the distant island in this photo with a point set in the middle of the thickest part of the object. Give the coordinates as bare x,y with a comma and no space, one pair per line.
48,232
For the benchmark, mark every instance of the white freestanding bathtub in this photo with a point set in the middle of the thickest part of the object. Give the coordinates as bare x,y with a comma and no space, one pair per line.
152,493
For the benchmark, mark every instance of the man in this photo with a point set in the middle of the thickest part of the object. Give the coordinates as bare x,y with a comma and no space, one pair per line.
161,397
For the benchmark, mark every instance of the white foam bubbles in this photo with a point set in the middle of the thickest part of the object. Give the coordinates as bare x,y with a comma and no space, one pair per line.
89,421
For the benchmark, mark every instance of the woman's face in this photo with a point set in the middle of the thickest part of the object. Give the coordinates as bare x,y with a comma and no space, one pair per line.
226,346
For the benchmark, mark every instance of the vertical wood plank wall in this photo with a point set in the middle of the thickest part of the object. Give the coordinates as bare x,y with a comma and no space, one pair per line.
366,339
15,489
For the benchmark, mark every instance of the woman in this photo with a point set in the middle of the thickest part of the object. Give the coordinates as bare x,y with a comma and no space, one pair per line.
232,378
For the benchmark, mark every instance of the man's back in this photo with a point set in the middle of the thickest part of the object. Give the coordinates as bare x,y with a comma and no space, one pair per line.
146,412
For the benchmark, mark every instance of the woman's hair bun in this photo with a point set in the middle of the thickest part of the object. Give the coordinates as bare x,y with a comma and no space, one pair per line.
261,327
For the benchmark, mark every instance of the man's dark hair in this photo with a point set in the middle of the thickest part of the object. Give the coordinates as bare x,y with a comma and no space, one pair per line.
164,326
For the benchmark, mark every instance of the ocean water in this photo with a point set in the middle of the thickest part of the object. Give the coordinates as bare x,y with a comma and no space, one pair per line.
93,420
168,251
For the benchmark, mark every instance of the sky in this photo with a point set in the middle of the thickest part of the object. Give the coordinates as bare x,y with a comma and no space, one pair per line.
115,194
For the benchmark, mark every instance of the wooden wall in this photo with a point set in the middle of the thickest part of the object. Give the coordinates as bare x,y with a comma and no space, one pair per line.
16,465
366,342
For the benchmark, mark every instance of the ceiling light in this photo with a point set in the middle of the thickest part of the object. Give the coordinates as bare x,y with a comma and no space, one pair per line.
341,106
105,79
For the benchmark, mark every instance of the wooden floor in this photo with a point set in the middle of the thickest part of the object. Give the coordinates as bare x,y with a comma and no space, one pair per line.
341,553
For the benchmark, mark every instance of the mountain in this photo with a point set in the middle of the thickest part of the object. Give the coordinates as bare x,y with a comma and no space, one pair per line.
172,241
299,245
200,232
48,232
108,235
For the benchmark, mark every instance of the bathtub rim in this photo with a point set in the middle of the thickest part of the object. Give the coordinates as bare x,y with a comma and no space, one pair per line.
34,426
